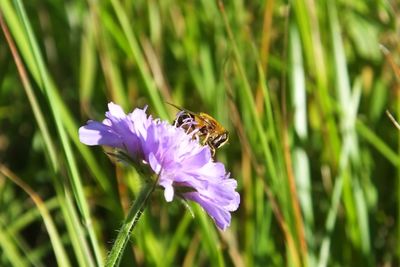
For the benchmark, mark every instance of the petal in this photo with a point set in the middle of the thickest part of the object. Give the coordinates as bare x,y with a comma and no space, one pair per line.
199,158
169,193
223,193
168,188
115,111
121,124
107,122
221,216
96,133
154,164
140,121
212,171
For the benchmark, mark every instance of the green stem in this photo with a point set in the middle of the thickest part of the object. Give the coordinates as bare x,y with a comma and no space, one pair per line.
115,255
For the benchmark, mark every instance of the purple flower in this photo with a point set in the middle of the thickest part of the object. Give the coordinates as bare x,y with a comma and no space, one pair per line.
178,158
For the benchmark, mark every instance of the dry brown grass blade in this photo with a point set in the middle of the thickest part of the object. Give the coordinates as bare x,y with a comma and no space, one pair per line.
395,123
285,229
393,65
288,159
265,50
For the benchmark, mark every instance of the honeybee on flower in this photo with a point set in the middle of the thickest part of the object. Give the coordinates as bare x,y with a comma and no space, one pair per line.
205,127
172,153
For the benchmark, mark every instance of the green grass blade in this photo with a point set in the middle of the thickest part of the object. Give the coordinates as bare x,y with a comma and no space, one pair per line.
373,139
70,160
88,65
61,255
70,126
139,58
10,250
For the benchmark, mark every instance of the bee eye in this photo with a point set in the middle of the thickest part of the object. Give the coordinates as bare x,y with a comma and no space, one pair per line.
220,140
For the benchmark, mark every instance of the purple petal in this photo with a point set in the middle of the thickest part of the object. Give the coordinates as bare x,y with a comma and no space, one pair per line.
221,216
115,111
96,133
168,190
140,121
199,158
223,193
154,164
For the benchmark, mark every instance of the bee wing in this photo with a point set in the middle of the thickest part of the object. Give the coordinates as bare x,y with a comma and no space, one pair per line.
183,109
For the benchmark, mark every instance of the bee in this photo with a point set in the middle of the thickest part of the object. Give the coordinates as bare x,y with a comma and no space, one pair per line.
208,129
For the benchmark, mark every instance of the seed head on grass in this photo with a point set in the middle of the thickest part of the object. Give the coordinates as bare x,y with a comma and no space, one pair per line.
183,165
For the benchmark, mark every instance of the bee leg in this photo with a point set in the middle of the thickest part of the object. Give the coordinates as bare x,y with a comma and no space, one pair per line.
206,139
212,149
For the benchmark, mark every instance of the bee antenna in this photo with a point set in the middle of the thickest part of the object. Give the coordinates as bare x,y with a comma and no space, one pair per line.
175,106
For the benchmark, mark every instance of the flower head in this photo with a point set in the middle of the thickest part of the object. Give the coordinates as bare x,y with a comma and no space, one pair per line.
177,157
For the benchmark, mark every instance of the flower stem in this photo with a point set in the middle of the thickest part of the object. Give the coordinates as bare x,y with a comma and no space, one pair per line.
115,255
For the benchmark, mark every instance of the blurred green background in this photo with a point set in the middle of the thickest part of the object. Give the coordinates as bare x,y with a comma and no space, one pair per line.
302,86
